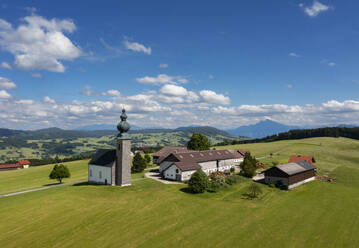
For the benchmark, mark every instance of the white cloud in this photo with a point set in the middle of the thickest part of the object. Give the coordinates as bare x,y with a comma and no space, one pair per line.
4,94
113,93
6,84
47,99
332,64
6,65
315,9
137,47
39,43
36,75
294,55
163,66
173,90
162,79
212,97
109,47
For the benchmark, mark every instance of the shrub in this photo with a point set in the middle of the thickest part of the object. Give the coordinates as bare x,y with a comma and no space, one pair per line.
233,179
232,170
148,159
254,190
271,185
199,182
218,181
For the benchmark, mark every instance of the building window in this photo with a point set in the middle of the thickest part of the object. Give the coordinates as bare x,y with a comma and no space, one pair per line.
90,173
100,174
177,171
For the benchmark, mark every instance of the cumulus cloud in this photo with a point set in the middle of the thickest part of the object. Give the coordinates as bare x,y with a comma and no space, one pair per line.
113,93
6,84
6,65
47,99
173,90
316,8
39,43
162,79
163,66
4,94
212,97
137,47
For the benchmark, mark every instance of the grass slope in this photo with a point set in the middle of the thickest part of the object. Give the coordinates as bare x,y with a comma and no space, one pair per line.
150,214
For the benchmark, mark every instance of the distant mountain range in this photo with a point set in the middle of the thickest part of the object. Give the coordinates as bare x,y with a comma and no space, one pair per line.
96,127
261,129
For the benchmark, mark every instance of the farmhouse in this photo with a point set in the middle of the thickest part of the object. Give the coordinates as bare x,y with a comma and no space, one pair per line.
297,158
22,164
238,155
113,166
180,166
290,175
25,163
165,151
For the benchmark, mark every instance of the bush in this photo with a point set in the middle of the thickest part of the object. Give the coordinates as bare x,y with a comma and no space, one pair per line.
218,181
254,191
233,179
271,185
232,170
199,182
148,159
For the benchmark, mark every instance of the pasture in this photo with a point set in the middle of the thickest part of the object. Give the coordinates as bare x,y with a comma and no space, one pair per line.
150,214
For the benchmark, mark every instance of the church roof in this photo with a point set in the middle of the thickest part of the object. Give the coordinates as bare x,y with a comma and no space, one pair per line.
104,157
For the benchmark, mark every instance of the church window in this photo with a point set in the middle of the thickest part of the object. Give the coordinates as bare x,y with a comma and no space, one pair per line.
90,173
100,174
177,171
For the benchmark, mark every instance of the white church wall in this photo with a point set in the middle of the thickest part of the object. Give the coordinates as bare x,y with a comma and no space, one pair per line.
99,174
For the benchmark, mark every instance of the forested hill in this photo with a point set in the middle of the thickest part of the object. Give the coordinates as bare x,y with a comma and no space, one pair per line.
352,133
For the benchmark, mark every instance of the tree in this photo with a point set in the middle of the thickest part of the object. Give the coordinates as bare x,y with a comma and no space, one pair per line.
218,181
248,166
148,159
254,190
199,182
138,164
198,142
59,172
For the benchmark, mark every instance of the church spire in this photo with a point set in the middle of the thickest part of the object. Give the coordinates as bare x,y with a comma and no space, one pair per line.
123,127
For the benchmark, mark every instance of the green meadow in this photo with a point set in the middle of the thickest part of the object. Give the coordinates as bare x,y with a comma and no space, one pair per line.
151,214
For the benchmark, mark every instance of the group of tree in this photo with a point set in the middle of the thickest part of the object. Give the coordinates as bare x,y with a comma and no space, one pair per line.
200,183
139,163
352,133
198,142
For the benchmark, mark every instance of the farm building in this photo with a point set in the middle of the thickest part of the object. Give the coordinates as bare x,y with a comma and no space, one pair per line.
290,175
113,166
165,151
297,158
25,163
22,164
180,166
238,155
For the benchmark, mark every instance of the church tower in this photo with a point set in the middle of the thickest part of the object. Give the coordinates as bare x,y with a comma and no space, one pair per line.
123,153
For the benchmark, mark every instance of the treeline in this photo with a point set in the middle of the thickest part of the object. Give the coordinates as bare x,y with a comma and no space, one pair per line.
55,160
352,133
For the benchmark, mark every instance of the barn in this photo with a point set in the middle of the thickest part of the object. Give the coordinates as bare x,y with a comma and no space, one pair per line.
165,151
290,175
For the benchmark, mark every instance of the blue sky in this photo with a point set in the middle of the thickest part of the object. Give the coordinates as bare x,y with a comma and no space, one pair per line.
174,63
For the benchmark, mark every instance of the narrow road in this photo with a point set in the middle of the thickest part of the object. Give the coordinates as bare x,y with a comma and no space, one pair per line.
51,186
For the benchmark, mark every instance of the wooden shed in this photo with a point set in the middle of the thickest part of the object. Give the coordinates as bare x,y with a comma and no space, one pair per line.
290,175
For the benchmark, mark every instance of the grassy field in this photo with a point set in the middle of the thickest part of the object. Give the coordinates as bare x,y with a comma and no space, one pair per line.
150,214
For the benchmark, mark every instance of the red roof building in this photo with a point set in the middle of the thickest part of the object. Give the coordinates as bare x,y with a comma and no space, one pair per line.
297,158
24,162
10,166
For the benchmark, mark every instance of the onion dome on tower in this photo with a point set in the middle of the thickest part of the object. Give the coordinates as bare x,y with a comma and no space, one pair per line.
123,127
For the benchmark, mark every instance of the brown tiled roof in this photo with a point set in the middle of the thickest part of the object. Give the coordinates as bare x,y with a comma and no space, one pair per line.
297,158
187,166
167,150
237,153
